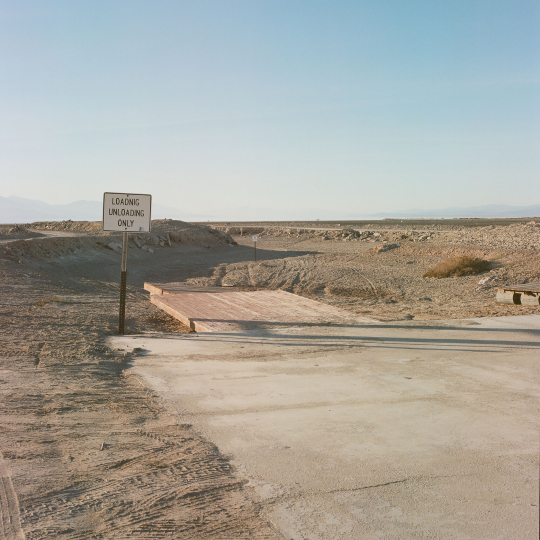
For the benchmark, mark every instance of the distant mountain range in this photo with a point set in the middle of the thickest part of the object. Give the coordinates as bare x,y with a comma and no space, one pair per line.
488,211
21,210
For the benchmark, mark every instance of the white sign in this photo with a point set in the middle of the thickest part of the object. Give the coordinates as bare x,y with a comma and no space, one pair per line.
126,212
254,238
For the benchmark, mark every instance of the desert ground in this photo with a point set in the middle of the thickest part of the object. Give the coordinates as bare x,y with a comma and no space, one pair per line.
153,436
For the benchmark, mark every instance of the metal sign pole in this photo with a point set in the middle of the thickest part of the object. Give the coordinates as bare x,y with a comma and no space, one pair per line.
123,275
125,213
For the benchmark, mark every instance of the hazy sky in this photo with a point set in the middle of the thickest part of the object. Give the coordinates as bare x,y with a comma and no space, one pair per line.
272,109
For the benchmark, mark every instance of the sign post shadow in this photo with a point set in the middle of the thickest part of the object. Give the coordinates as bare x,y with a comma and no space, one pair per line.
255,239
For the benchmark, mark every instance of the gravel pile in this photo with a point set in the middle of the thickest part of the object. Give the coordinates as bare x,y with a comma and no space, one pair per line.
515,236
165,233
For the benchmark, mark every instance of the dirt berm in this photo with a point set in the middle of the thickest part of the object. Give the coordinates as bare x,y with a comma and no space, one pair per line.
86,237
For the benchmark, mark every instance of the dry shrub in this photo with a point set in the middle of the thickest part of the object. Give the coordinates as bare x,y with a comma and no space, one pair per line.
459,266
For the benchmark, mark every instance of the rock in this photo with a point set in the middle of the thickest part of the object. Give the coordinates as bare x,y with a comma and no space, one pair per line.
483,288
227,238
114,246
385,247
147,248
153,239
136,242
487,279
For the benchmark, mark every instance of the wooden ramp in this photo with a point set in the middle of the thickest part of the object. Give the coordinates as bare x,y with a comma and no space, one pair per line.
527,294
225,309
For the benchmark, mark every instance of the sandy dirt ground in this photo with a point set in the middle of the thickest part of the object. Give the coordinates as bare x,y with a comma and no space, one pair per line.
351,273
88,451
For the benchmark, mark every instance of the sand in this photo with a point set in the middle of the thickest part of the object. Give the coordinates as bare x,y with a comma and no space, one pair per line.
352,274
91,449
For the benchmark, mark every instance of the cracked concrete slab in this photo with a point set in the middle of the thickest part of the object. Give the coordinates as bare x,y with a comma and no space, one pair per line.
395,431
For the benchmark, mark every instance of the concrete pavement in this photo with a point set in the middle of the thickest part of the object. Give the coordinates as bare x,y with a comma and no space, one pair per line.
388,431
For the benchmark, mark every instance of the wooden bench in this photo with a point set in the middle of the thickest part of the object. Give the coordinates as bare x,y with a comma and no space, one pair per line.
526,294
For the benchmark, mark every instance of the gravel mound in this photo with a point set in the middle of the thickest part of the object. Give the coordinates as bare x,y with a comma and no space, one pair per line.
13,232
515,236
68,225
164,234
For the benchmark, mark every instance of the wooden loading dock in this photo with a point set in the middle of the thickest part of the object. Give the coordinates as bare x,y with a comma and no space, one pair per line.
227,309
527,294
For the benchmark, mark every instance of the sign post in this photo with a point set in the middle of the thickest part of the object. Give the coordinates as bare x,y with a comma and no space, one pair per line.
126,212
123,280
255,239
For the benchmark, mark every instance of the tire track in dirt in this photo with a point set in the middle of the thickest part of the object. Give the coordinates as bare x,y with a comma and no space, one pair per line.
356,272
296,269
10,518
169,488
92,452
274,279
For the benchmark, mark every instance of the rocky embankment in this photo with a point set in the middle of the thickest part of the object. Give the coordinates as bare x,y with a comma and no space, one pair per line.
88,237
513,236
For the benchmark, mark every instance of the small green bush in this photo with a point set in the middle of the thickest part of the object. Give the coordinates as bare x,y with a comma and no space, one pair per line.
459,266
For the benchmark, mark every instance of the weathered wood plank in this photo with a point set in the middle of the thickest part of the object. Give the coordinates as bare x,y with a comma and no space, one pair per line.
216,309
530,287
172,288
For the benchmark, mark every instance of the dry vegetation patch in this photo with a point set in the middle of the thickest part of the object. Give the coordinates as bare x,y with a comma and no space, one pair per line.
459,266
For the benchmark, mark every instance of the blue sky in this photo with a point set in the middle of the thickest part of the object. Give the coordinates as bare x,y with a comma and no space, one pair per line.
272,109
